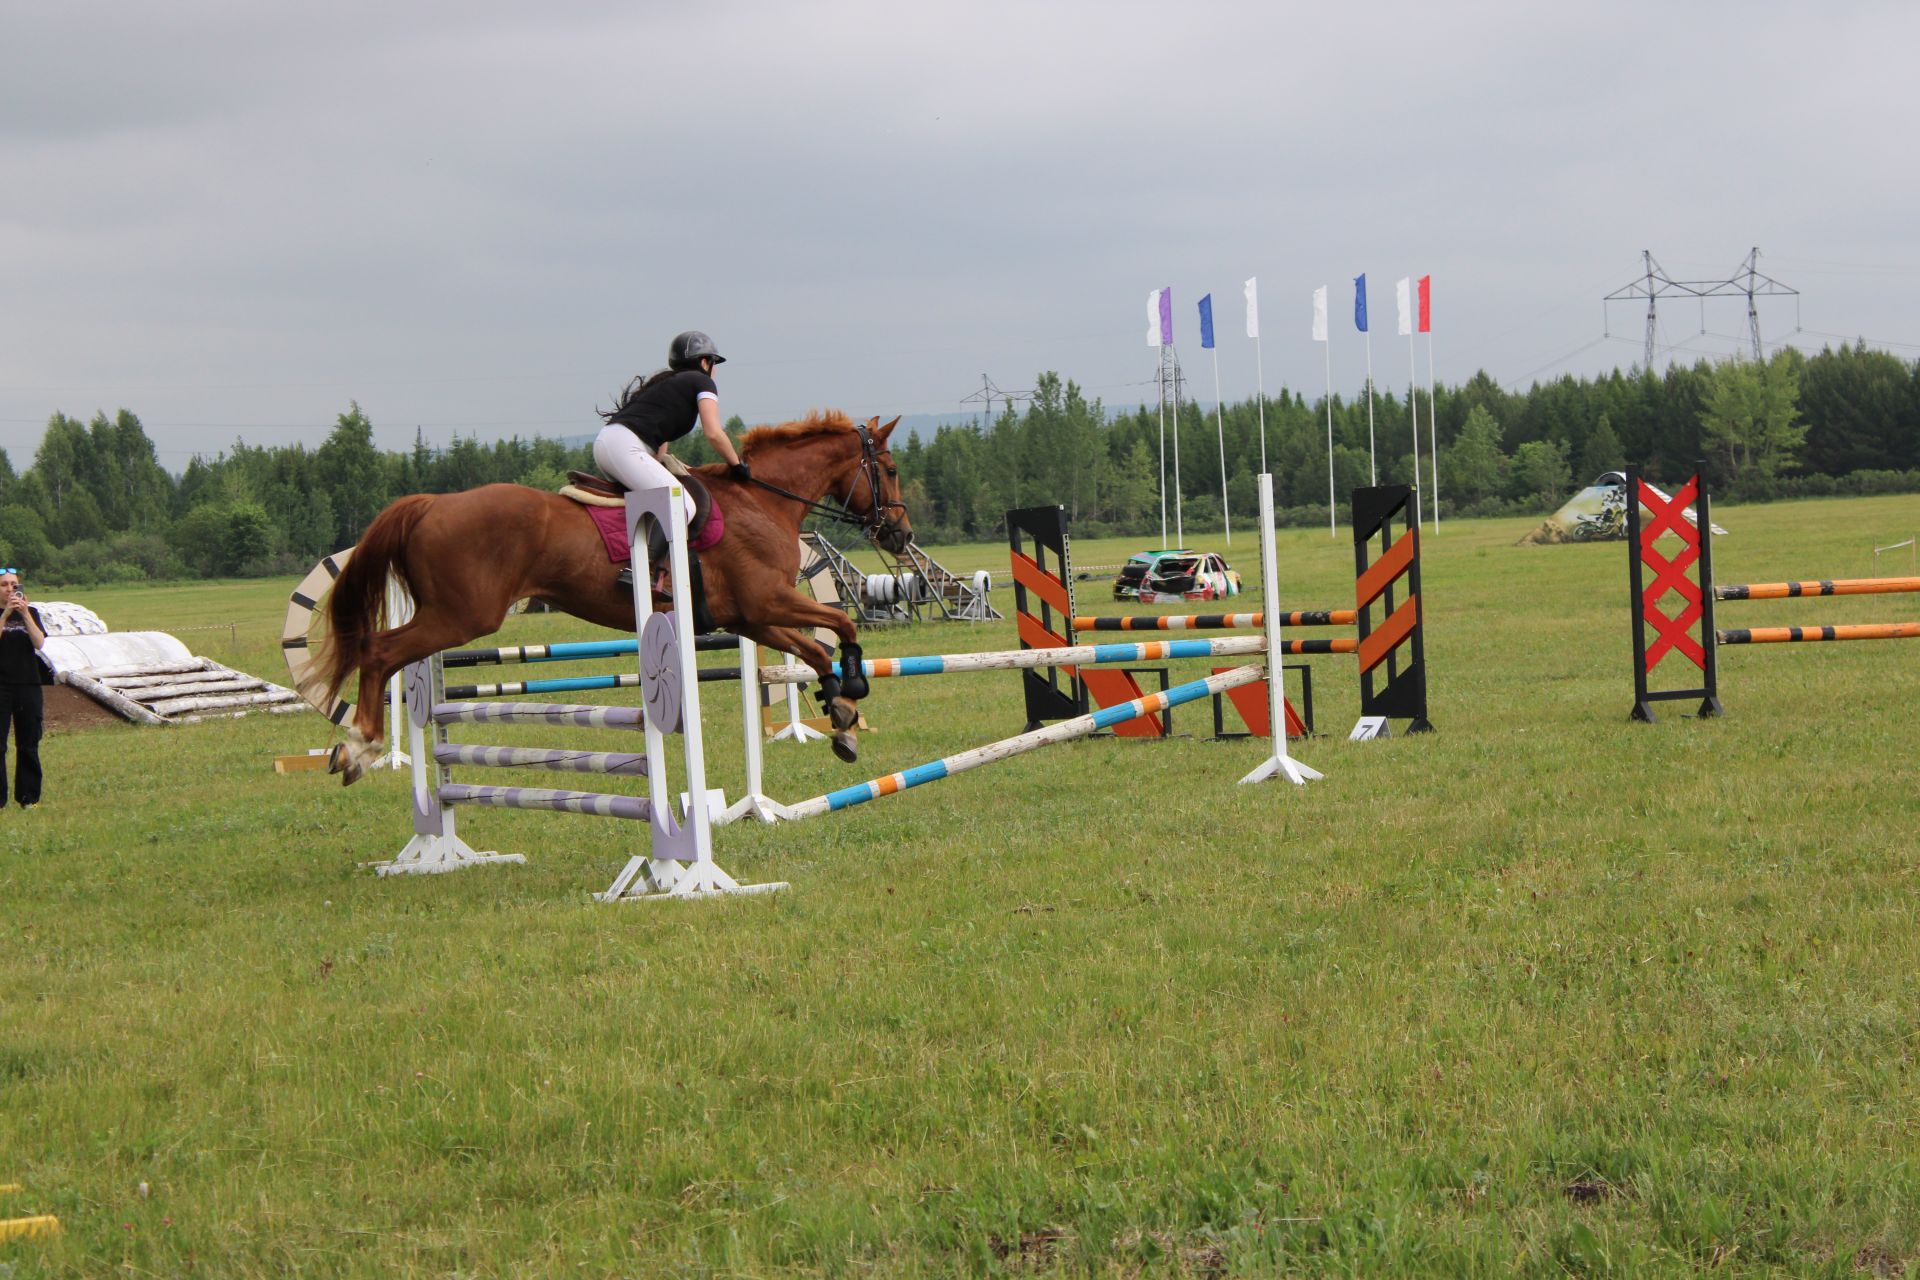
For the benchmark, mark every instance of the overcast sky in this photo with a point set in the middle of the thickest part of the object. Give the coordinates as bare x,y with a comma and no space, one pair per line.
235,218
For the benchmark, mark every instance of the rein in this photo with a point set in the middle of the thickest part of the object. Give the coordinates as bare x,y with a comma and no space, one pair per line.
842,512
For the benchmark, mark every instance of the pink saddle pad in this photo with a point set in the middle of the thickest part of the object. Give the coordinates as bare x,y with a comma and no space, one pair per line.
612,524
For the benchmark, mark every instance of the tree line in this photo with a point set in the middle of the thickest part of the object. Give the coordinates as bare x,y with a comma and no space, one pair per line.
1846,420
96,505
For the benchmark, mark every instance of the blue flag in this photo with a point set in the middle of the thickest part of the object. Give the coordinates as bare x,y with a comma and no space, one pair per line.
1360,302
1206,322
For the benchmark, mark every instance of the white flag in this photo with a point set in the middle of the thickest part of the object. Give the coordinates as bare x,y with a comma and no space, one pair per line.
1156,332
1320,314
1401,296
1253,307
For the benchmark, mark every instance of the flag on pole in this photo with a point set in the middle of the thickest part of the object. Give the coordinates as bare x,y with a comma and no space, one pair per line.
1320,314
1160,317
1206,323
1360,302
1426,304
1252,289
1403,299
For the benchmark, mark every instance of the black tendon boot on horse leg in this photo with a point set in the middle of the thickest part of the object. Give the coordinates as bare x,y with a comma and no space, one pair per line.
853,675
842,696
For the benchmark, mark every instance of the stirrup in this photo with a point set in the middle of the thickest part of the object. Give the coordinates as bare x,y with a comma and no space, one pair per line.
625,579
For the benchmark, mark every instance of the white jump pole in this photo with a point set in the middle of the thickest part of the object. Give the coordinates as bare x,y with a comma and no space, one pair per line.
1281,763
399,612
1065,730
755,803
1027,659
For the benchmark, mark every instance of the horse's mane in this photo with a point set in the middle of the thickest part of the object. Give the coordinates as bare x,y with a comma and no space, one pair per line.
821,422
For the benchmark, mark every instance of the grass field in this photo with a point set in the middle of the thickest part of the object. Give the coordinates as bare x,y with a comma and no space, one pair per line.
1541,993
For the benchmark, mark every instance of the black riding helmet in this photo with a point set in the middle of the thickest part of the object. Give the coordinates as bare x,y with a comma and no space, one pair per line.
690,348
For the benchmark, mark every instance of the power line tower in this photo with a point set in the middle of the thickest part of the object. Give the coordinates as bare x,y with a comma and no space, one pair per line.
988,393
1746,281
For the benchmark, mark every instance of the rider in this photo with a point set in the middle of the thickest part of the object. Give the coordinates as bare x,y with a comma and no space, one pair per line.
651,414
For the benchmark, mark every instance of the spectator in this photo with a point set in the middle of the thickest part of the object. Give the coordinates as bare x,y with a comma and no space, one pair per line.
21,675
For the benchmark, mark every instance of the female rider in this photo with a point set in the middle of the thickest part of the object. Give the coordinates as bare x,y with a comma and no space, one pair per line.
651,414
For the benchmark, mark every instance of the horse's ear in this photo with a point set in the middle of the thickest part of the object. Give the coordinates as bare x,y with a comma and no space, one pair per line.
881,433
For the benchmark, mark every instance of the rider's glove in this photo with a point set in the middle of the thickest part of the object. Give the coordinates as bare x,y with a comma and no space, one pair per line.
740,471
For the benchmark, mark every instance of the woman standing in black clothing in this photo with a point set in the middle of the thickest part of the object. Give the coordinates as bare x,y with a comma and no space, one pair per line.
21,635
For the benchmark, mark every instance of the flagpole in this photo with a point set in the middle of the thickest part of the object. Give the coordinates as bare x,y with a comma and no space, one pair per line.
1162,380
1373,466
1260,388
1220,427
1413,407
1179,521
1333,530
1433,433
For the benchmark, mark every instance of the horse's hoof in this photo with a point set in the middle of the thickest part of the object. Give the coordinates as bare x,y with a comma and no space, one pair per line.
341,761
351,760
843,714
846,747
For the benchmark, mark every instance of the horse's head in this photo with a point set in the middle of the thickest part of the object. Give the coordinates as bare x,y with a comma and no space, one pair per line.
879,488
832,465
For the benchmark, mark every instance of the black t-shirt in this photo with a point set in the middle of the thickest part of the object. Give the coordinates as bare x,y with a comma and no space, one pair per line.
19,664
668,409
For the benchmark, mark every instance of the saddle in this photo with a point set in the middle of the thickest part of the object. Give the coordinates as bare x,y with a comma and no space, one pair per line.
593,490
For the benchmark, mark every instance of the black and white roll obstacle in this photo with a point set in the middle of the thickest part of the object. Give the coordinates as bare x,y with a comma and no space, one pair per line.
679,862
1688,574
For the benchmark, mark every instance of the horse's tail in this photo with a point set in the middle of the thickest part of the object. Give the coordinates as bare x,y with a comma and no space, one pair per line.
358,605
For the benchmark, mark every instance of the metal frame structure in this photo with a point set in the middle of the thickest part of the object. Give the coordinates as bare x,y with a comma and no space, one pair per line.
1746,281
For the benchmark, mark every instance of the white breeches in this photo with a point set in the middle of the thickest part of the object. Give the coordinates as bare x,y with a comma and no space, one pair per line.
622,455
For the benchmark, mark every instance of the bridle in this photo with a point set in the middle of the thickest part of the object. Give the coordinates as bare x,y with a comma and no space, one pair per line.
875,521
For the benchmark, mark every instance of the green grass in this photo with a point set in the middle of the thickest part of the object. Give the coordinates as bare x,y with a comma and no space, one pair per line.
1541,993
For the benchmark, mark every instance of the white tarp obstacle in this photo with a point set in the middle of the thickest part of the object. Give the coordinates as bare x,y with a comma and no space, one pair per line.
150,677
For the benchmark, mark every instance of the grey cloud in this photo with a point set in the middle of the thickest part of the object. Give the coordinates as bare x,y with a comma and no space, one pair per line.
464,216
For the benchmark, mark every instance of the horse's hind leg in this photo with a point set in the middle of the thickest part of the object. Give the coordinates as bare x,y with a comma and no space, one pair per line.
845,716
390,651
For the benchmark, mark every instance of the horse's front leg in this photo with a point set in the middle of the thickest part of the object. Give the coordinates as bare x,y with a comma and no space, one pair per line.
840,688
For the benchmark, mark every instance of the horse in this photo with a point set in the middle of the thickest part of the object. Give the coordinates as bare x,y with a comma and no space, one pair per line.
465,558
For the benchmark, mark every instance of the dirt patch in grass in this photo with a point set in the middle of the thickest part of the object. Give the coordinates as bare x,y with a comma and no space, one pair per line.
68,710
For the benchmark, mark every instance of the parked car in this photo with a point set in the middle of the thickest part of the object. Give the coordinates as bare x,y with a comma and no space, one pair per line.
1192,575
1134,572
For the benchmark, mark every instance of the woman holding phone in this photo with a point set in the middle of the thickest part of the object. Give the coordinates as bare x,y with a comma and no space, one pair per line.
21,635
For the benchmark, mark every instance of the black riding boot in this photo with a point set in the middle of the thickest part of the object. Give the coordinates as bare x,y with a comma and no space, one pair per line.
657,557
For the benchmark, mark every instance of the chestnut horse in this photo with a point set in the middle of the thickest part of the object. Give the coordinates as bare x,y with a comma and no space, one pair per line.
467,557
